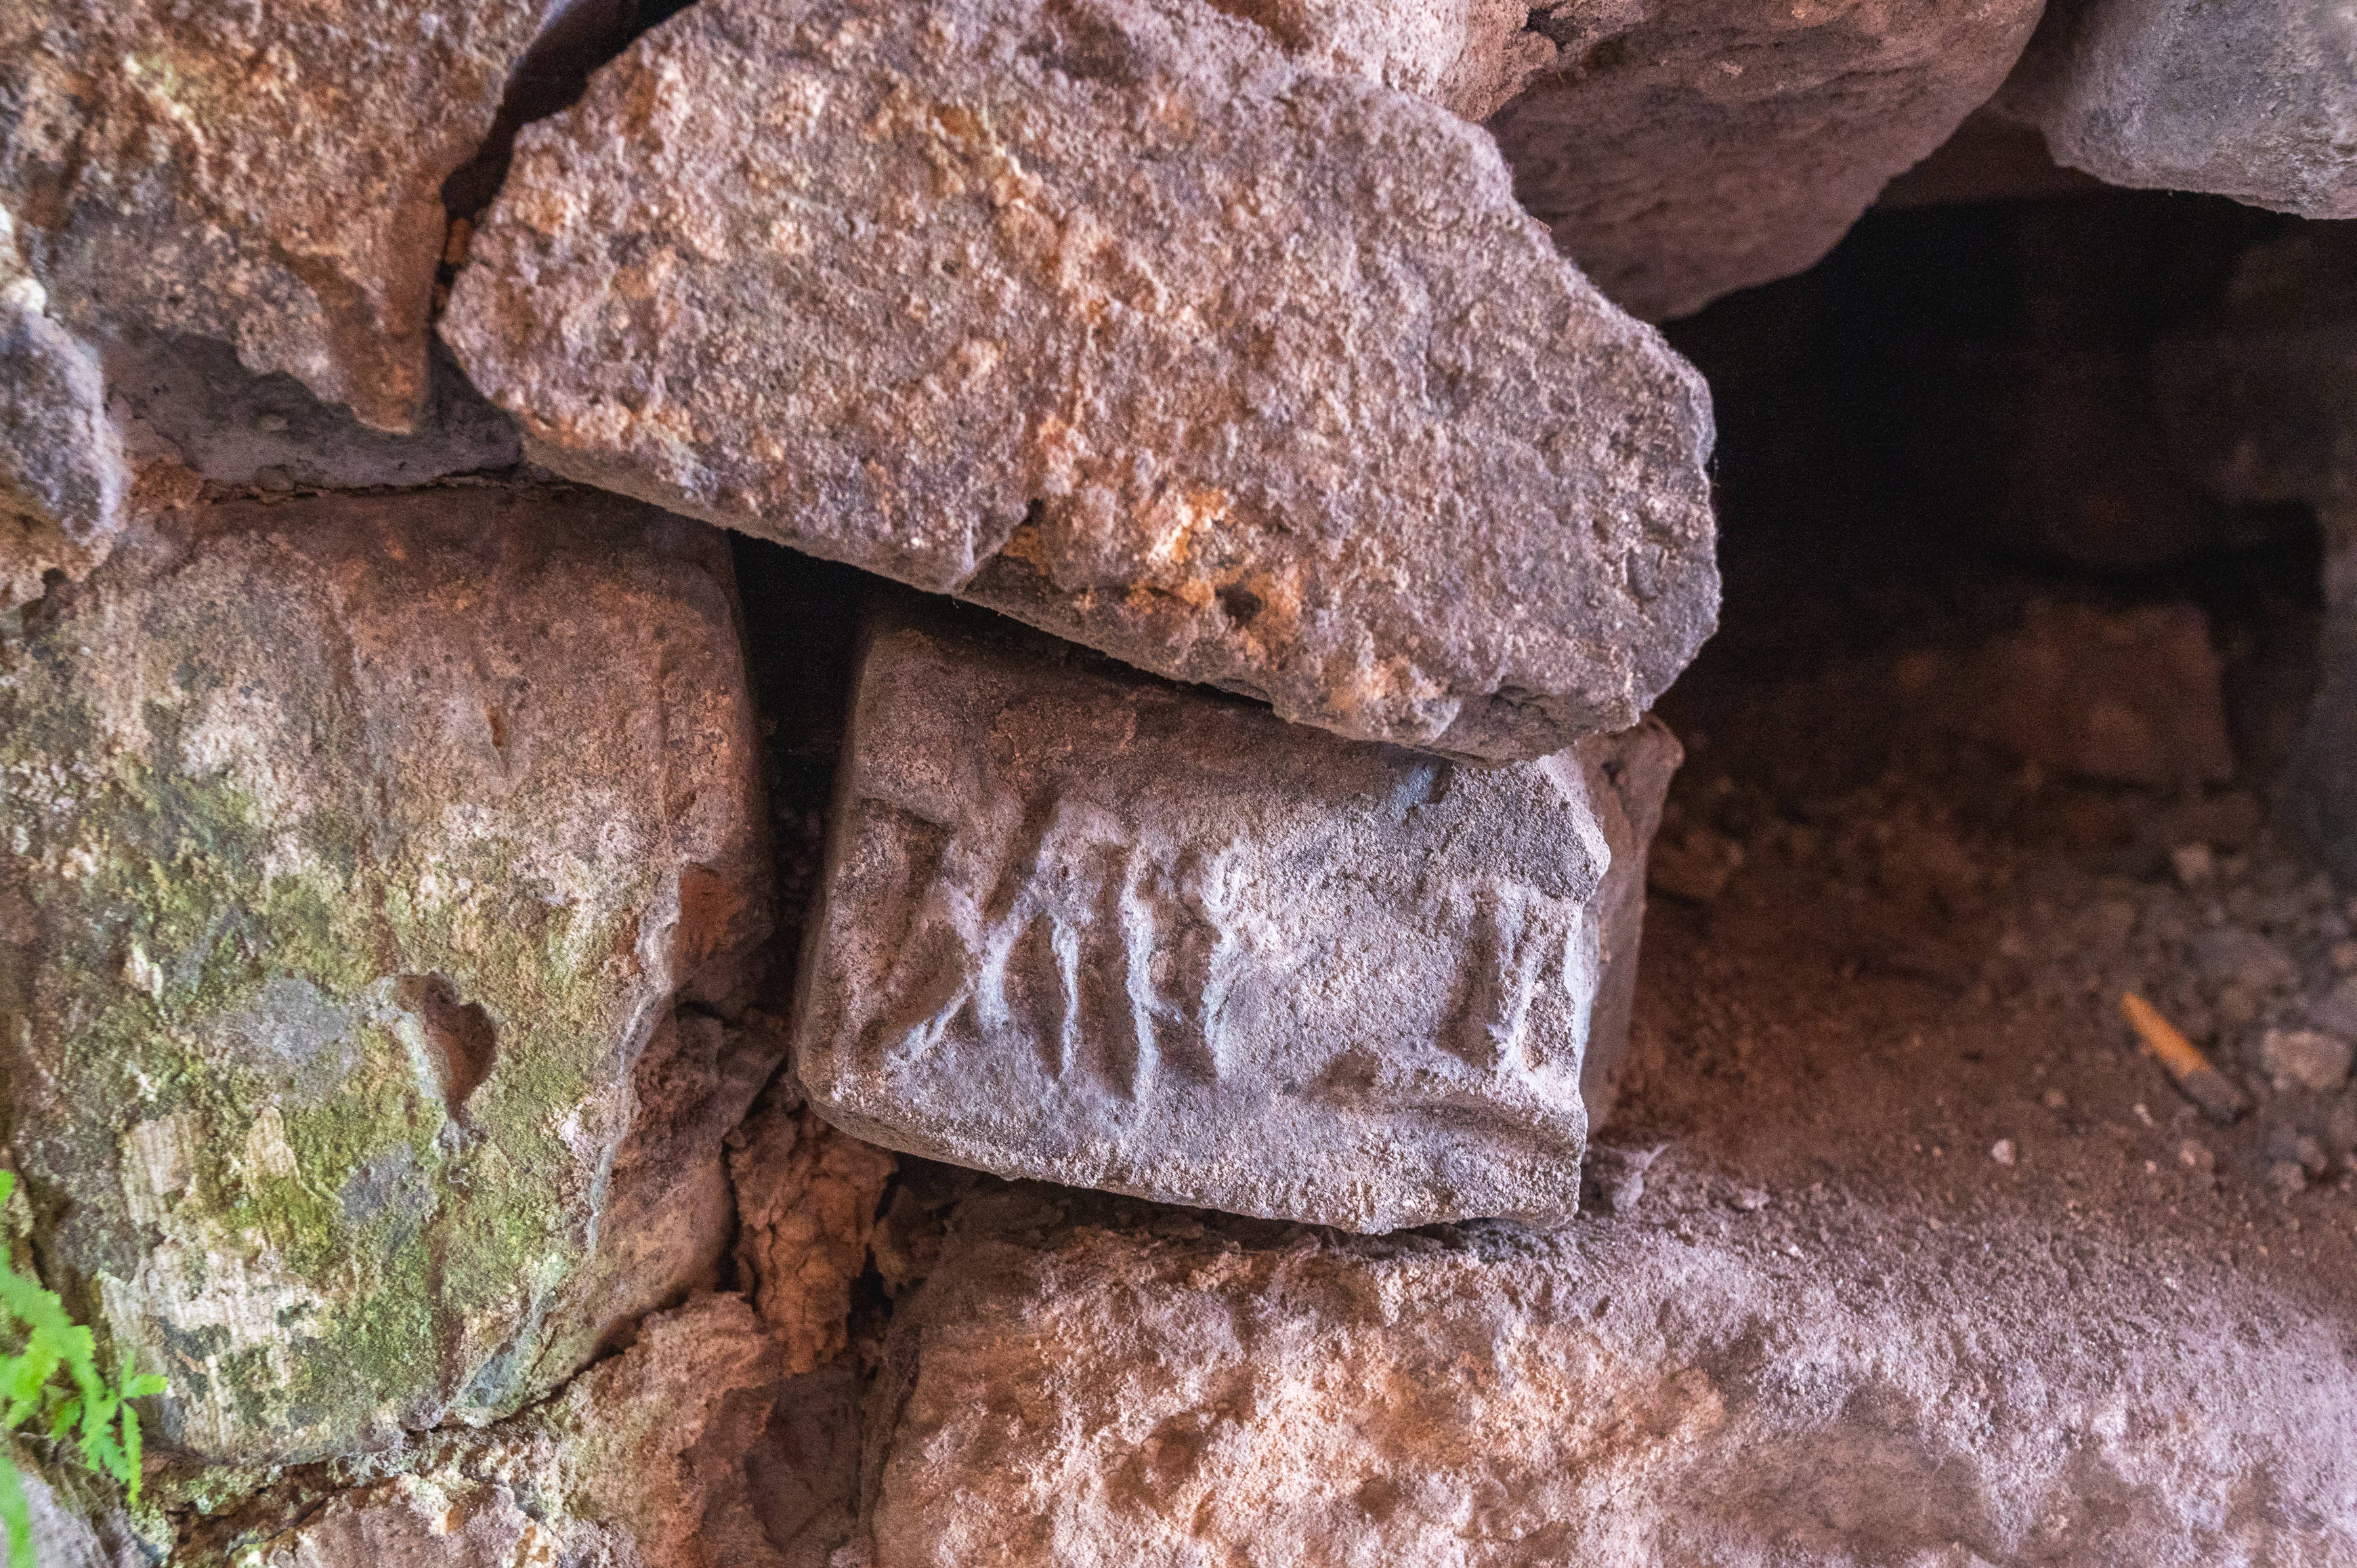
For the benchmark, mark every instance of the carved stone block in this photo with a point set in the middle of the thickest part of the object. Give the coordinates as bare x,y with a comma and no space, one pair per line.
1088,927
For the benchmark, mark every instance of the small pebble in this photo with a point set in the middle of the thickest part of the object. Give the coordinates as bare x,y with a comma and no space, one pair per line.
2055,1099
2194,863
2233,955
2002,1151
2298,1148
2194,1154
2304,1058
2335,1011
2110,924
2340,1125
2287,1177
1748,1198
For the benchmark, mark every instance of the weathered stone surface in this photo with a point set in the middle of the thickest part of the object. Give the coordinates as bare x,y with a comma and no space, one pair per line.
1107,316
806,1204
1123,1388
1470,56
670,1211
73,1526
189,401
1083,926
360,850
1682,151
269,176
1628,780
695,1448
2255,99
62,474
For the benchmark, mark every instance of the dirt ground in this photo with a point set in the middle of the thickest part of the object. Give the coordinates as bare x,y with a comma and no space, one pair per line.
1890,1047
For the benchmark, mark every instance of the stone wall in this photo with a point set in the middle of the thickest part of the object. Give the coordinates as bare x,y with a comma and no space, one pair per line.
838,786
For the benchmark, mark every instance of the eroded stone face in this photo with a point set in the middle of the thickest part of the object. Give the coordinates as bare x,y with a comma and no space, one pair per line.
1628,777
268,176
806,1208
1111,1386
1108,316
695,1448
1681,151
359,853
187,401
1467,56
63,477
1083,926
2256,100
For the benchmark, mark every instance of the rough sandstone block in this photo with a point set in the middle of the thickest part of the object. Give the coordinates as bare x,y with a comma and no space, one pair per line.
2252,98
1084,926
1684,150
357,851
1108,316
1103,1385
695,1448
267,176
807,1197
1470,56
62,473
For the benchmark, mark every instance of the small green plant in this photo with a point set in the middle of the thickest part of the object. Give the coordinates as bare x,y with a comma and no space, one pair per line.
38,1343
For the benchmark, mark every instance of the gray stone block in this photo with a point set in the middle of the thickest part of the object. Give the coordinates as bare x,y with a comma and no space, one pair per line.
1082,925
2252,98
62,473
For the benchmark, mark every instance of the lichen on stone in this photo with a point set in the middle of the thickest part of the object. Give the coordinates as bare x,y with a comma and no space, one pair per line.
286,795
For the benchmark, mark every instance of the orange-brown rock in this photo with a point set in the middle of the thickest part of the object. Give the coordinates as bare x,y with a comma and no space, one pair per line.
269,176
1110,316
1081,1384
806,1207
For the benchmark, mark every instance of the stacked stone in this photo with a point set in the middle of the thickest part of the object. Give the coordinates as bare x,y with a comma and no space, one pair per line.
390,1038
387,909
